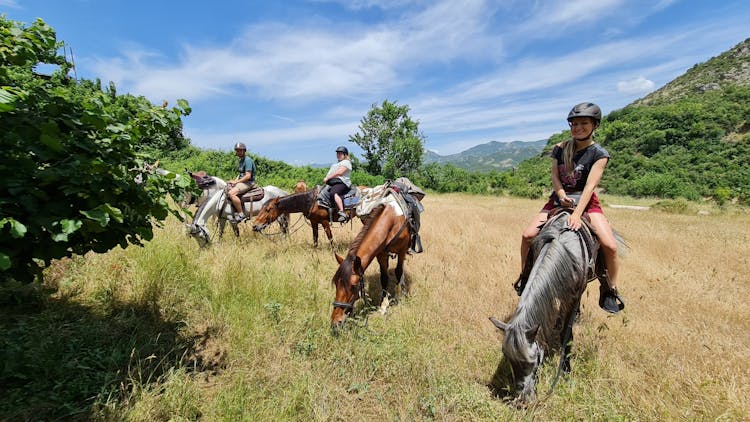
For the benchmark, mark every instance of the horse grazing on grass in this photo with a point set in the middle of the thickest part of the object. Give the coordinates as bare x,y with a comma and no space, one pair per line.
218,205
386,231
306,203
564,262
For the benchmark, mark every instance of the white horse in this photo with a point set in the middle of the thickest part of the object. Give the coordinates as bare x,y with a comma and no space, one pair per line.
218,205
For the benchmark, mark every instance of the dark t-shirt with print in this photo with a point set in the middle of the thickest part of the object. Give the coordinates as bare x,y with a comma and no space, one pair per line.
584,159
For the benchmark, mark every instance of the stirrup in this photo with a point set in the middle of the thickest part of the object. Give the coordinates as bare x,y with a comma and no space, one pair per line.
610,300
343,218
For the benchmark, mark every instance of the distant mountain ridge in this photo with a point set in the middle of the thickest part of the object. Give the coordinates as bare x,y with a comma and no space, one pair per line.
489,156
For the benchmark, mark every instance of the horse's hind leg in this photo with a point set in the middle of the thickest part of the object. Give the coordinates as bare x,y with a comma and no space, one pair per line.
400,279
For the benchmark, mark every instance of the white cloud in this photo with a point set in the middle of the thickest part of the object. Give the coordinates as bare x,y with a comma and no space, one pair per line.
367,4
10,3
276,61
639,85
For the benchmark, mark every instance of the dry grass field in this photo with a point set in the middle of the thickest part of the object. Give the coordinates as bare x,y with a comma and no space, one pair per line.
251,319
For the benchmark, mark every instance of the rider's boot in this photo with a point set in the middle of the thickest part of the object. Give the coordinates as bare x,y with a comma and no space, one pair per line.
520,282
343,218
609,298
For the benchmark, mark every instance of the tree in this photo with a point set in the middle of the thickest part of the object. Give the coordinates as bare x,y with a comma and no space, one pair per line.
392,143
73,176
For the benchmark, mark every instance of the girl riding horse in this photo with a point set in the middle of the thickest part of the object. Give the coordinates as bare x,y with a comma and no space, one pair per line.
577,166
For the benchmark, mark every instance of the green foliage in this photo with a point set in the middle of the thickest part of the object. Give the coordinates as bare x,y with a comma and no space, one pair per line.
74,171
673,206
270,172
688,148
391,141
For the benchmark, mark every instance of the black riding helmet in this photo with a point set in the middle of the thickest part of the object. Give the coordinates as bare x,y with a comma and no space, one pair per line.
342,149
586,110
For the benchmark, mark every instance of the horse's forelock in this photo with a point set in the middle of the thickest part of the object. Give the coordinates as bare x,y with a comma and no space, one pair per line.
344,273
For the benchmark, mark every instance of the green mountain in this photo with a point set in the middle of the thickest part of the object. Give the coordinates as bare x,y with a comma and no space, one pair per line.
690,138
489,156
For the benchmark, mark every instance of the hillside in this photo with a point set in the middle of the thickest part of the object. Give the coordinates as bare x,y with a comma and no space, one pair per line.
690,138
489,156
729,69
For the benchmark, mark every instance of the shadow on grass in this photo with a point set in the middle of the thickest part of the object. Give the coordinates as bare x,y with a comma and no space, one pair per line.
62,360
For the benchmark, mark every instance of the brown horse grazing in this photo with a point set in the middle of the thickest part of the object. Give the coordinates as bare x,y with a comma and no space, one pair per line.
306,203
300,187
384,232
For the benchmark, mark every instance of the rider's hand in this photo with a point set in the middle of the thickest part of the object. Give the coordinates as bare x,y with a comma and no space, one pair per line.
567,201
574,221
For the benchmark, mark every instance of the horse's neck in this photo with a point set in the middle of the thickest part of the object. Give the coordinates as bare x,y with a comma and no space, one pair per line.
373,241
209,208
297,202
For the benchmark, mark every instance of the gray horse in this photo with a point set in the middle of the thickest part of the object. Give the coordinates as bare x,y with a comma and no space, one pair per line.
565,261
218,205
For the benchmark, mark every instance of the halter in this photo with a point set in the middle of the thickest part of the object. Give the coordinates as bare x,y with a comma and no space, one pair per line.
360,293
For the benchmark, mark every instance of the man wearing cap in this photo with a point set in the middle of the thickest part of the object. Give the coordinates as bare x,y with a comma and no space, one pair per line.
243,183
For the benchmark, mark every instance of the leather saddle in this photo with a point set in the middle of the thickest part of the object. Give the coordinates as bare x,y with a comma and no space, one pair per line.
254,195
203,180
351,198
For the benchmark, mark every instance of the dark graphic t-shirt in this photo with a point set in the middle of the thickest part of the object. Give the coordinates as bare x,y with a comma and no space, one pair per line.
584,159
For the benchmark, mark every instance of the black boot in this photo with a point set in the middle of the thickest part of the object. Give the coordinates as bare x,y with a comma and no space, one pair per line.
343,218
520,283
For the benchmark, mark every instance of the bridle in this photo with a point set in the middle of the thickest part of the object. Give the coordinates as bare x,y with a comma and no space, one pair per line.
360,293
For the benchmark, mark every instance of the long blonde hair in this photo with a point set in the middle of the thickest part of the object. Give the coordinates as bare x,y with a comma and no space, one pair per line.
569,148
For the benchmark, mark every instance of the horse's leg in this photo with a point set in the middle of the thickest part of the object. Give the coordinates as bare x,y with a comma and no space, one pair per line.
315,233
567,337
405,288
284,223
222,223
383,263
327,227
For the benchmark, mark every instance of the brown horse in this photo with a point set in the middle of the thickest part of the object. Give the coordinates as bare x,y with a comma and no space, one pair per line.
384,232
300,187
304,202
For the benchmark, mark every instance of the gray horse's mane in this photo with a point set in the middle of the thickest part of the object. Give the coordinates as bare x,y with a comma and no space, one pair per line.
554,285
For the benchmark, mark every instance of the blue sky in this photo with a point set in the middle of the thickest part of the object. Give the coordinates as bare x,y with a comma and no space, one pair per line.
292,79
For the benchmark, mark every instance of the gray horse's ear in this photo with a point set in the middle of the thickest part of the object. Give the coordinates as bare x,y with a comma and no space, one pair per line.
499,324
531,333
339,258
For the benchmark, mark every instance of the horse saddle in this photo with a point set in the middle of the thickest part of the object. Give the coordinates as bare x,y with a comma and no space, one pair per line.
254,195
203,180
412,208
351,198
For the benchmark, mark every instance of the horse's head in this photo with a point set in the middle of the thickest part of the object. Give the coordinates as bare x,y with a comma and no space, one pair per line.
268,213
300,187
525,355
349,284
199,233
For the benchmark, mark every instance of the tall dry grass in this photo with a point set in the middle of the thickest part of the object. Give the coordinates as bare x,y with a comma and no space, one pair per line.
679,351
